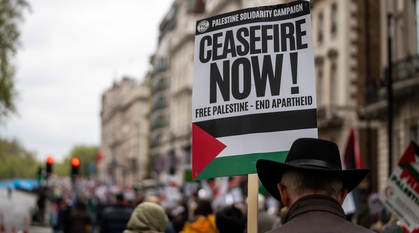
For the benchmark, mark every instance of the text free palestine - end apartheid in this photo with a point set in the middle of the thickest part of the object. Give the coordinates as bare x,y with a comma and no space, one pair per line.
259,104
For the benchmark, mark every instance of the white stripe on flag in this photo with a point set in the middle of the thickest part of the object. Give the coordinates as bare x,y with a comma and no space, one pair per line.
263,142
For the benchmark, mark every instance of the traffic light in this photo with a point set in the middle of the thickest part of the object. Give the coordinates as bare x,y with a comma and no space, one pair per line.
75,163
49,162
40,175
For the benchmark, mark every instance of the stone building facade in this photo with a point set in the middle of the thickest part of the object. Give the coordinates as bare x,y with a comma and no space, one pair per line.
125,132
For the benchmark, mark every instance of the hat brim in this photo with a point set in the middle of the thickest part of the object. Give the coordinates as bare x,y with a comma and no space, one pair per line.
270,174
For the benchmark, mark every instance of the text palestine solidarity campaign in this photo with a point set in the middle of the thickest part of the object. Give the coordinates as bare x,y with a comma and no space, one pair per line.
257,14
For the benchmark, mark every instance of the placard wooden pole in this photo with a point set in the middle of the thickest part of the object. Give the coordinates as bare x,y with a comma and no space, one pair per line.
252,203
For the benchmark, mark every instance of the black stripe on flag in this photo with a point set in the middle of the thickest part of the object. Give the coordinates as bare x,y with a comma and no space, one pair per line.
260,123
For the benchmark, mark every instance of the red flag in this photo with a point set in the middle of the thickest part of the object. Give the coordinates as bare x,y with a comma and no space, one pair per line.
99,157
352,157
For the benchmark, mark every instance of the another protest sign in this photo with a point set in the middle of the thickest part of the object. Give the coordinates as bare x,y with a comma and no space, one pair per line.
401,195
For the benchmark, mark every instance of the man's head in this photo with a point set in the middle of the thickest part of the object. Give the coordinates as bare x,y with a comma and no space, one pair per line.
119,198
230,219
313,166
297,183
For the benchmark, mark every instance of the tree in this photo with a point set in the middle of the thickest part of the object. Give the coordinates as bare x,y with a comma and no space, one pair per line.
15,161
11,15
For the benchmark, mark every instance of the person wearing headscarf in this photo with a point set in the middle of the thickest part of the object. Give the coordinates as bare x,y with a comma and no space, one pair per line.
203,220
147,217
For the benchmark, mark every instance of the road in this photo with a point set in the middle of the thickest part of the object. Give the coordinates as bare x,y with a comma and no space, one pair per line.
15,212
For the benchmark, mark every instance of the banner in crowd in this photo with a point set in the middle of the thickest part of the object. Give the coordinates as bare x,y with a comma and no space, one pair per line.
254,88
401,195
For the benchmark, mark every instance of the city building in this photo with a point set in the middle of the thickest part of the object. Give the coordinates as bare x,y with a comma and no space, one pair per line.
392,102
125,132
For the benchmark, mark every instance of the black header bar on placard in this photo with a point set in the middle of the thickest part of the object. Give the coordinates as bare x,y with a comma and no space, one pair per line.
305,11
260,123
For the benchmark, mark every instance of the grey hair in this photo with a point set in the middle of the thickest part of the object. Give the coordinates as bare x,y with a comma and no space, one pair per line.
300,183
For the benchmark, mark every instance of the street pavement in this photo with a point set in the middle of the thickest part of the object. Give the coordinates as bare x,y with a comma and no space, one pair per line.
15,212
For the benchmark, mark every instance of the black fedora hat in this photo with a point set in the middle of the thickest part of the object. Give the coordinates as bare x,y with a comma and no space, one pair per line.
308,154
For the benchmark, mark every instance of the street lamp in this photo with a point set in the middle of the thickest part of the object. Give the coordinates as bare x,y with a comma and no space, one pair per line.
389,86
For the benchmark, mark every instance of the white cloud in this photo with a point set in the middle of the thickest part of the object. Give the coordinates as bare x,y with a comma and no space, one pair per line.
72,52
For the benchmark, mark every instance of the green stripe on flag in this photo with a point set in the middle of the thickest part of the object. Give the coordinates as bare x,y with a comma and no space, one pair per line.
238,164
411,169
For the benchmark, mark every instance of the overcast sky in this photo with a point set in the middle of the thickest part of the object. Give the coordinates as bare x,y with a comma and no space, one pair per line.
72,51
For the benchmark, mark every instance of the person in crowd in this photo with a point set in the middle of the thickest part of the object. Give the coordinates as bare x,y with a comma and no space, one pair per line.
114,218
230,219
41,204
313,186
80,218
147,217
93,207
266,221
9,192
64,214
176,220
58,216
203,220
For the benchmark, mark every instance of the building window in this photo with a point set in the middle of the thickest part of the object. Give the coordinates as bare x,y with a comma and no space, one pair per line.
161,65
320,88
334,19
156,139
333,88
320,28
187,154
159,102
195,6
416,20
414,133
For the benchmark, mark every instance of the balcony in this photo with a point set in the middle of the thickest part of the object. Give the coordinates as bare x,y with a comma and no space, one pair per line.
405,77
159,85
328,116
159,103
161,65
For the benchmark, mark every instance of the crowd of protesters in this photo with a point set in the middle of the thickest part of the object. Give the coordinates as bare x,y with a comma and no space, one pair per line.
97,208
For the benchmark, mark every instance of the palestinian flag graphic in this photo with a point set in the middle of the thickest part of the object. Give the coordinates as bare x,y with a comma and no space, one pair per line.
231,146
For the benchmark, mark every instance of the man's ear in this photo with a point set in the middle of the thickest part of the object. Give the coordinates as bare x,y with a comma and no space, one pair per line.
284,195
342,195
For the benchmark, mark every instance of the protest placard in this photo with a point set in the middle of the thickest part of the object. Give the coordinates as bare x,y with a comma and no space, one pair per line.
254,88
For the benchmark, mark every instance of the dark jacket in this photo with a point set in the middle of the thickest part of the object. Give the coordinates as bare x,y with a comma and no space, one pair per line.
114,219
80,221
318,214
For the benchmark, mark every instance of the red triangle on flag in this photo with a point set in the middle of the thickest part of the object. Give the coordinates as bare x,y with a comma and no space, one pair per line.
204,149
409,154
